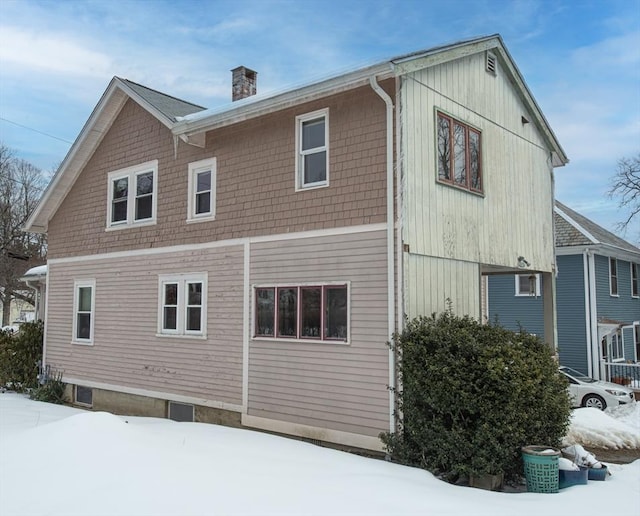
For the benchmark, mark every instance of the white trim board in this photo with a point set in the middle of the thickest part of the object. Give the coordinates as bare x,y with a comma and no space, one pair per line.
349,230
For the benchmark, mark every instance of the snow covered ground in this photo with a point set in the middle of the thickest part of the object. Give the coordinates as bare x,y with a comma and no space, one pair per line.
63,461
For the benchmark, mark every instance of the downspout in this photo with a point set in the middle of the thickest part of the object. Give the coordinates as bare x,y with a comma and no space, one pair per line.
390,247
587,312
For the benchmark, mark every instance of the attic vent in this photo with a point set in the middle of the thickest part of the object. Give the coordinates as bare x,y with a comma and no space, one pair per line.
180,412
491,63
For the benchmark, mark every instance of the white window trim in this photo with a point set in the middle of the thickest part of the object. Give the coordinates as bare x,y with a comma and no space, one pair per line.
631,264
275,338
194,169
131,173
527,294
619,346
182,280
76,286
617,294
300,119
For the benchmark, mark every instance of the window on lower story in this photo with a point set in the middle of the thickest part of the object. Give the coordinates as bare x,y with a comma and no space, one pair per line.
459,154
528,285
132,195
310,312
202,190
635,279
613,276
617,350
183,307
312,149
83,311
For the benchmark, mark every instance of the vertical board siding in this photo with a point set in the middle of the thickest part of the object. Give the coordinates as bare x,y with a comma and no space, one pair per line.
431,282
514,217
127,351
336,386
514,312
255,181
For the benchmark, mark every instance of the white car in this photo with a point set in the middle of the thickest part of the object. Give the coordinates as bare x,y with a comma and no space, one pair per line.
587,392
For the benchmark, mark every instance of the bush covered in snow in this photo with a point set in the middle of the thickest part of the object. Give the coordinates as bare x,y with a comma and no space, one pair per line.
19,356
472,395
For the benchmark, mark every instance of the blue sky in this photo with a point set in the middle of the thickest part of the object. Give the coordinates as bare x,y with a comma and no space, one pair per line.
580,58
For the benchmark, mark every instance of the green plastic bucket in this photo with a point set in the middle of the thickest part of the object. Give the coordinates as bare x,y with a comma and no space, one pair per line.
541,468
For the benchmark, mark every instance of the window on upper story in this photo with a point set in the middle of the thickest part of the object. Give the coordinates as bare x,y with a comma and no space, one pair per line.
613,276
202,190
635,279
132,196
83,311
312,150
528,285
459,154
183,305
314,312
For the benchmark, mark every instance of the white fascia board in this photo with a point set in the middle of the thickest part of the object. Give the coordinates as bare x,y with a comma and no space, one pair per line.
582,230
167,122
208,120
606,250
78,155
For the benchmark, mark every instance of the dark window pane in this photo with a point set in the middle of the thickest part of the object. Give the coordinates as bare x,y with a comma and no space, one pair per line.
204,182
170,321
144,207
336,313
203,203
474,160
311,312
171,294
444,149
119,211
287,312
315,167
460,153
121,188
84,299
265,311
313,134
194,318
83,326
144,183
194,294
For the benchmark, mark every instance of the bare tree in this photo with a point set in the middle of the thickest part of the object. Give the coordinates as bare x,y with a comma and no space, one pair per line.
21,185
625,185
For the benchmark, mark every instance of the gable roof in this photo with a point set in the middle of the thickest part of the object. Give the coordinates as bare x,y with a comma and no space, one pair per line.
190,122
574,229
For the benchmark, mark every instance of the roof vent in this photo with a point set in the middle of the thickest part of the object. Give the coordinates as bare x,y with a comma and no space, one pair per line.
491,63
244,82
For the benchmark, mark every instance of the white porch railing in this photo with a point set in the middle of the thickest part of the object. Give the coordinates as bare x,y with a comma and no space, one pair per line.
622,373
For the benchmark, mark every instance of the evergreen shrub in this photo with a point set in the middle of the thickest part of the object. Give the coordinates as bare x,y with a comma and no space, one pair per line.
471,395
51,391
19,356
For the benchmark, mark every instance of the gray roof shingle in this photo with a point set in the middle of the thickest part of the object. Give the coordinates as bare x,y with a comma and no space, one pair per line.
169,106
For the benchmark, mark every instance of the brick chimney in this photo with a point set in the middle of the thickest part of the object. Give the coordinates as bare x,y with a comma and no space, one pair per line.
243,83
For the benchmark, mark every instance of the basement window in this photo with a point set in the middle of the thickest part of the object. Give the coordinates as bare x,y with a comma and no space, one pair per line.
181,412
83,395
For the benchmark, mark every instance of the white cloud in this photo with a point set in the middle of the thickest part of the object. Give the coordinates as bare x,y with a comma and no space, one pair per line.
22,49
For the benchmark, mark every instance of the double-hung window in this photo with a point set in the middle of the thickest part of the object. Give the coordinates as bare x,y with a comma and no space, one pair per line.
309,312
202,190
613,276
528,285
459,154
182,304
312,150
83,311
635,279
132,198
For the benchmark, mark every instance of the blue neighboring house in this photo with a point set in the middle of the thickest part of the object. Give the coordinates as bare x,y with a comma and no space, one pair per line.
597,298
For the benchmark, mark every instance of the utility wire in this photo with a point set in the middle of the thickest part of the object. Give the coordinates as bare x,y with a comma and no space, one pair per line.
35,130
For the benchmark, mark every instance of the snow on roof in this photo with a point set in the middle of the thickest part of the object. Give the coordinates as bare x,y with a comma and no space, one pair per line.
40,270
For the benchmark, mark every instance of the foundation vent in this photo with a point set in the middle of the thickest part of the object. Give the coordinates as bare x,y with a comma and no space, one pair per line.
84,396
181,412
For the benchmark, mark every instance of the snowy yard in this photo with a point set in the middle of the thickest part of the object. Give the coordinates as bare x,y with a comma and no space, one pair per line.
63,461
